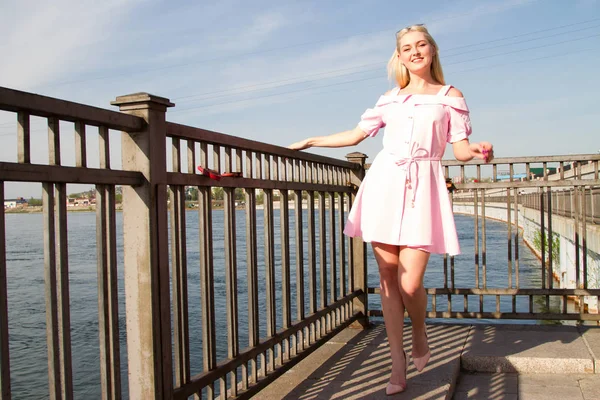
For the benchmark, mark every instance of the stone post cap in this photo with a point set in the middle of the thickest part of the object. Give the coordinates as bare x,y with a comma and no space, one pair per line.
356,157
141,100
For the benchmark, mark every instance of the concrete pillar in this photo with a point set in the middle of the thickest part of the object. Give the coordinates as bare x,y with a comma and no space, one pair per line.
359,249
145,250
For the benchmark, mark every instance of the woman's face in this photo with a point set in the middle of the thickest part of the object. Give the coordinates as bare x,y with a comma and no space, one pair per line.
416,53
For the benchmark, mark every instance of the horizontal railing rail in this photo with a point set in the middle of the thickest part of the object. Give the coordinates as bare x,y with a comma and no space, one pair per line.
34,104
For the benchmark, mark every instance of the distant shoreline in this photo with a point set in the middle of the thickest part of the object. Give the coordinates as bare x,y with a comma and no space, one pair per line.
39,209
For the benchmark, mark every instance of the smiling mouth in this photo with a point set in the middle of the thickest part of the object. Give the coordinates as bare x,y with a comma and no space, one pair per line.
417,59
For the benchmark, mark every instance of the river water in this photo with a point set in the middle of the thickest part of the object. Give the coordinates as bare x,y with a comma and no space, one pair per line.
26,293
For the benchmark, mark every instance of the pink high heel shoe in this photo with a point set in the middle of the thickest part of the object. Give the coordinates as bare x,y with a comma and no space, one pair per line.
392,388
421,362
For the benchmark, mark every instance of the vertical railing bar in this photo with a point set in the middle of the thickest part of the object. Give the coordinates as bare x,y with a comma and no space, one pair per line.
284,220
52,329
179,273
216,158
342,249
484,240
108,319
108,301
62,276
53,141
509,233
584,237
267,164
299,265
80,145
332,254
104,147
476,235
230,279
516,219
312,256
322,259
350,287
191,156
276,172
451,260
562,170
231,300
576,207
252,272
543,241
5,384
209,355
23,138
269,266
550,237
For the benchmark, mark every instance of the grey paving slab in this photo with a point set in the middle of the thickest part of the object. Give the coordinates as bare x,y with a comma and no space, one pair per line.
590,387
591,336
476,394
526,349
536,392
488,383
552,380
357,366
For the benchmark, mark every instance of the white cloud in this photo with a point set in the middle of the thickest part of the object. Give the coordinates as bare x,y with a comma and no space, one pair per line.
45,42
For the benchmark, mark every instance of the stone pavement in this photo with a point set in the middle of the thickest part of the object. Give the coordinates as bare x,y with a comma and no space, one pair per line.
468,362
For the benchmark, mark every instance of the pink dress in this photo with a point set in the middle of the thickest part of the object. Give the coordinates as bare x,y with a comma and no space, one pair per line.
403,198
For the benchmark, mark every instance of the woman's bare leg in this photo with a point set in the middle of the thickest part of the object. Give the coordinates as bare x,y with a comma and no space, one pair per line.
410,276
387,257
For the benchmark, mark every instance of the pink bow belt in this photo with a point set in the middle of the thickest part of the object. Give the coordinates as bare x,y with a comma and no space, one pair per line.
413,163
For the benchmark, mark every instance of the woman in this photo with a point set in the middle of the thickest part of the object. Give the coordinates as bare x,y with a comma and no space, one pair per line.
402,206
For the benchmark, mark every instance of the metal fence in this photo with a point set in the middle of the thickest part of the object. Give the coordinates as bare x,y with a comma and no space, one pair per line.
542,195
158,165
313,279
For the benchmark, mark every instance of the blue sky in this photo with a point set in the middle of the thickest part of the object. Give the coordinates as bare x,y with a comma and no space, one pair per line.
279,71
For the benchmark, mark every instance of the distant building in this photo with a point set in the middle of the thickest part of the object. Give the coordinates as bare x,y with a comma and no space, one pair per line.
14,203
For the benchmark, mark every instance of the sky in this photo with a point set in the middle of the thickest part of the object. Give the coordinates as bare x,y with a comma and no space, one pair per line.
280,71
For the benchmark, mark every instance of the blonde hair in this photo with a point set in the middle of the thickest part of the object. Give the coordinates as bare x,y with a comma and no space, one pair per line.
399,73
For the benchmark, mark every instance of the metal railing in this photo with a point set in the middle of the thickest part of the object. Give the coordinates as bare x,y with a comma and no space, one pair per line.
332,288
308,285
475,194
329,286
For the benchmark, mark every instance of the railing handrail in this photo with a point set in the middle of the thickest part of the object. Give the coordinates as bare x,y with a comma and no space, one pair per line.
222,139
525,160
44,106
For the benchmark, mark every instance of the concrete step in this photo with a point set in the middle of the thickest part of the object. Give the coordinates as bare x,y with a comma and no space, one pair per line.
542,349
514,359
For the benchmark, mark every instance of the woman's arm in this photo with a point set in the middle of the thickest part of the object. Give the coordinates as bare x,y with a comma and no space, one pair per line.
342,139
465,151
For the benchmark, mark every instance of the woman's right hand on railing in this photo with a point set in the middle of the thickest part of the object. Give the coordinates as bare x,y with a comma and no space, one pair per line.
301,145
342,139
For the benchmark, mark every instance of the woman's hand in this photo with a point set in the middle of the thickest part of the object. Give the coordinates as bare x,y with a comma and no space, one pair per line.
482,150
301,145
